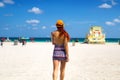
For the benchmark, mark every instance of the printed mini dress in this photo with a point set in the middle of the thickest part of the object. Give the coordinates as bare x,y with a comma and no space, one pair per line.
59,53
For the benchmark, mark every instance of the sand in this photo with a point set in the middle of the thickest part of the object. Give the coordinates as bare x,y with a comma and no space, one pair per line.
34,61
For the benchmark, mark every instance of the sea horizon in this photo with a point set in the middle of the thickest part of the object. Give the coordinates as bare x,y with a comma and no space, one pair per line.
48,39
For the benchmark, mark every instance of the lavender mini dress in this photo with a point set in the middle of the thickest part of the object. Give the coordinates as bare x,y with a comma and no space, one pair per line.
59,53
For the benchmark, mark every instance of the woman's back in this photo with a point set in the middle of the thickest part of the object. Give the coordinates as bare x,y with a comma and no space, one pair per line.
57,39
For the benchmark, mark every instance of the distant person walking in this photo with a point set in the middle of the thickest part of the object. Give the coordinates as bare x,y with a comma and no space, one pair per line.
119,42
60,40
1,43
23,42
2,40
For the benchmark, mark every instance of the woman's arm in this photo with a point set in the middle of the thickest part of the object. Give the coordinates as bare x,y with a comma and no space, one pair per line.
66,48
52,38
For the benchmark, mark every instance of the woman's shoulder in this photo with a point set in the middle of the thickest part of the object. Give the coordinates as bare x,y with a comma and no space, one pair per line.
54,32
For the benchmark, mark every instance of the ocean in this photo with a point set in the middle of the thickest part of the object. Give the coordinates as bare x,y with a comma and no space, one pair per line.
37,39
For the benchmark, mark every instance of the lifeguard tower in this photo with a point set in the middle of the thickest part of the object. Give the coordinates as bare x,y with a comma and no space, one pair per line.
95,35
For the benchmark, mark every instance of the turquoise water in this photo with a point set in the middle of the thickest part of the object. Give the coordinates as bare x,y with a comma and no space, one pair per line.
112,40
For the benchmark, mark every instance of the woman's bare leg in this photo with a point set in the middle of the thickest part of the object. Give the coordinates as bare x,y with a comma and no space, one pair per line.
62,70
55,69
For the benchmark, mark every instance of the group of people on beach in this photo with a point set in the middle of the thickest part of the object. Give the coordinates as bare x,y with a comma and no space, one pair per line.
23,41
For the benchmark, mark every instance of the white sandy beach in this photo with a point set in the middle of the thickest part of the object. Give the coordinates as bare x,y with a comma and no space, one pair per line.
34,62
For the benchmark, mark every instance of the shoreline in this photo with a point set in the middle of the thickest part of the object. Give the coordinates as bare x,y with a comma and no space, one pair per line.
71,43
48,39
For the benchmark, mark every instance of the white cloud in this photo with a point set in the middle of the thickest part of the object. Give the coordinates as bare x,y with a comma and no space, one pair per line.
53,26
116,20
34,28
8,15
44,27
8,1
2,4
113,22
6,28
113,2
35,10
105,5
109,23
33,22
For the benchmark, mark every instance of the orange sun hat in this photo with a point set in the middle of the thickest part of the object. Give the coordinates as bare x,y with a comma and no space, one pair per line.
59,23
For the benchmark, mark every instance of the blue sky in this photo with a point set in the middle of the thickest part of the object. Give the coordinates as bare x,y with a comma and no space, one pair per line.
37,18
